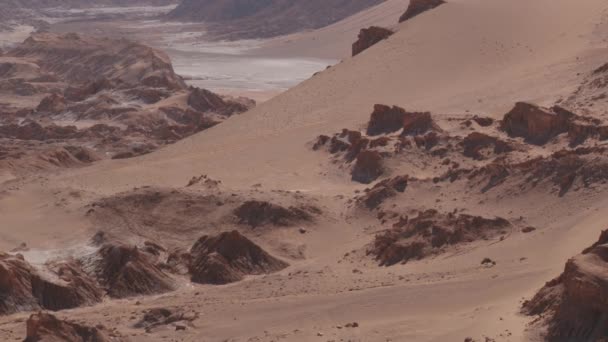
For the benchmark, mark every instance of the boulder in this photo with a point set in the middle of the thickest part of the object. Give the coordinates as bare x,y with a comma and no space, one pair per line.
383,190
537,125
417,7
385,119
418,124
228,257
476,143
157,317
369,37
44,327
368,167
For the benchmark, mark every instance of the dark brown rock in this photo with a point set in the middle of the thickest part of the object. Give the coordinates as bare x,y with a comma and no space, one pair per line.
575,305
228,257
206,101
368,167
476,143
44,327
126,271
161,316
535,124
429,233
259,213
23,288
384,190
418,123
369,37
417,7
385,119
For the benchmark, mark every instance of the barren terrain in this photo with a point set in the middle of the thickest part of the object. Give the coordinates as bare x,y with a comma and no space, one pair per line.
427,189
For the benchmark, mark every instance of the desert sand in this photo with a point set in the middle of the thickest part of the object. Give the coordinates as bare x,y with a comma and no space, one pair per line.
464,58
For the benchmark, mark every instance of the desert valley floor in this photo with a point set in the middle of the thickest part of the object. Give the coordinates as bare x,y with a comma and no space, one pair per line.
431,188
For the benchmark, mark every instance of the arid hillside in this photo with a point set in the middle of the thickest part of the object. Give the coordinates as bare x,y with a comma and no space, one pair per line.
423,190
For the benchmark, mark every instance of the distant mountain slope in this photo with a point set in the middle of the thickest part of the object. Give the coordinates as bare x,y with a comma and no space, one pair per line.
266,18
39,4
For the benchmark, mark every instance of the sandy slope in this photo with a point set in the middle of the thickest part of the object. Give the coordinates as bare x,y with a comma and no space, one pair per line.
469,55
490,64
334,41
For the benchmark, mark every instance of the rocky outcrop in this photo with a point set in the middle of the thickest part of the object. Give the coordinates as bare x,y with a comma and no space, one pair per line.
370,36
158,317
24,288
368,167
126,271
535,124
575,305
418,124
476,144
385,189
228,257
430,233
363,153
259,213
76,58
117,82
44,327
385,119
565,170
206,101
417,7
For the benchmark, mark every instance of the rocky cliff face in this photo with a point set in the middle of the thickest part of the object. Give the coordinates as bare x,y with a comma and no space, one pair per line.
574,305
417,7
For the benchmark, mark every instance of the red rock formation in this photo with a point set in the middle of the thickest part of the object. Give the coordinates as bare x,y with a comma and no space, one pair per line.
228,257
417,7
368,167
161,316
259,213
385,119
429,233
77,59
369,37
23,288
383,190
418,123
475,143
483,121
44,327
535,124
126,271
575,305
